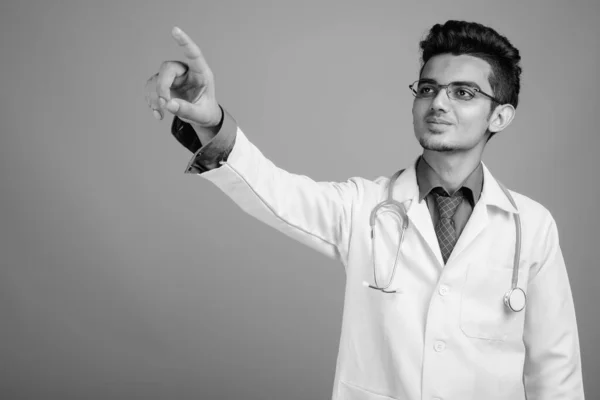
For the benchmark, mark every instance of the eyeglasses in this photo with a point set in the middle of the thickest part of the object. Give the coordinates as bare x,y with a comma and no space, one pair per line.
464,91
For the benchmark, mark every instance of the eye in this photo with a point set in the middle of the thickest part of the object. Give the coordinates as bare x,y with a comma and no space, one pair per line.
464,92
426,89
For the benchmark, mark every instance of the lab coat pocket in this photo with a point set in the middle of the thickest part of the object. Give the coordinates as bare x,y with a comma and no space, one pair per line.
348,391
483,314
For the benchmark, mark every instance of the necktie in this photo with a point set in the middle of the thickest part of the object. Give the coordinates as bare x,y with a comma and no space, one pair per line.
444,229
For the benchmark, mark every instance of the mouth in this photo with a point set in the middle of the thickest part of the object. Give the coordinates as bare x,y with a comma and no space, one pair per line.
437,121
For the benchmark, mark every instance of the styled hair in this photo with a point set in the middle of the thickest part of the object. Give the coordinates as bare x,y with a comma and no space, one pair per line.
461,37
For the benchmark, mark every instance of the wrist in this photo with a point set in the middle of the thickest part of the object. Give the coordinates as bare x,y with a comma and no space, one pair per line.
206,132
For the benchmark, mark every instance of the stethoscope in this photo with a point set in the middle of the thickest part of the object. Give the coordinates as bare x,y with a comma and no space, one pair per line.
515,299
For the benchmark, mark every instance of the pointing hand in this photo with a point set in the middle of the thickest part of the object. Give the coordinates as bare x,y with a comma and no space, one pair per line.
185,89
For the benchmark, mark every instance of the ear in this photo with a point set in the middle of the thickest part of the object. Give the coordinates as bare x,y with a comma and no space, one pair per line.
501,117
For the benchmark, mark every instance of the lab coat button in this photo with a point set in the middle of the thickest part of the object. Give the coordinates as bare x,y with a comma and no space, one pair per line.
444,290
439,346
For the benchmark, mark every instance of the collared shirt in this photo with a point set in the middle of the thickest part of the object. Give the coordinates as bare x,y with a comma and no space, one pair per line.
208,155
428,179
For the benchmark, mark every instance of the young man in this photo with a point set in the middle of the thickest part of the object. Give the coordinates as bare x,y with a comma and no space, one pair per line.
479,304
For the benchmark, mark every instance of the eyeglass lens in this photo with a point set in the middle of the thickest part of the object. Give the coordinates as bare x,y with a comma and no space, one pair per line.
455,90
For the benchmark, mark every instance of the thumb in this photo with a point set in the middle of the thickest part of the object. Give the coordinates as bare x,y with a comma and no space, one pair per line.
180,108
204,115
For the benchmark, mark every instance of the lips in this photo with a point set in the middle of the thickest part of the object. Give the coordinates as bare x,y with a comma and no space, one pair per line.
438,121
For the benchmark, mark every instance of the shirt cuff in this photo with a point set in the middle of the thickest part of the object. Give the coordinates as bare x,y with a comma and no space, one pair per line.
209,155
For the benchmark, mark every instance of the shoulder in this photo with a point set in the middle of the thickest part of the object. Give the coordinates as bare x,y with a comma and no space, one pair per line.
533,212
376,184
369,190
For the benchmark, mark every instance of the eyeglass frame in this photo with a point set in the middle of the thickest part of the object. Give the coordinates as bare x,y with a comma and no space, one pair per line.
469,84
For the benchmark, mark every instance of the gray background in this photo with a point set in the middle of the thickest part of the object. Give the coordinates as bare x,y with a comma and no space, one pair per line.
121,277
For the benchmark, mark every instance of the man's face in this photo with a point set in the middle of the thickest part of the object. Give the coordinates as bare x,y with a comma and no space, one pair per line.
445,124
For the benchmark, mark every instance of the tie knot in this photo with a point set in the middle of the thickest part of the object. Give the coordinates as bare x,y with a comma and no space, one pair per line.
447,204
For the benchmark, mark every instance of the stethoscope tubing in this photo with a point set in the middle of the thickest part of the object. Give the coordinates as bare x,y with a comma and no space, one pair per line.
516,303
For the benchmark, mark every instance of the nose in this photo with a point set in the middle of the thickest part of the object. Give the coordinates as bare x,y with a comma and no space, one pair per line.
441,100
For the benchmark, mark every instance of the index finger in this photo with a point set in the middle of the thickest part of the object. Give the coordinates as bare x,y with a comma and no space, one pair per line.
196,61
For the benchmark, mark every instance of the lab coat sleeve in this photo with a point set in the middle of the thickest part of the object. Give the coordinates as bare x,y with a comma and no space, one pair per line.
317,214
552,367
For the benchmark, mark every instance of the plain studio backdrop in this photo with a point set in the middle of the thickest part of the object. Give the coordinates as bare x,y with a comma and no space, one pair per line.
122,277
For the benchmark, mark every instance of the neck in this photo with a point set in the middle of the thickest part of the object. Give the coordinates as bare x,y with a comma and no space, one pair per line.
452,167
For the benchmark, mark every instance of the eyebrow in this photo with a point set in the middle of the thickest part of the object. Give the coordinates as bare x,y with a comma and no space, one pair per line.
466,83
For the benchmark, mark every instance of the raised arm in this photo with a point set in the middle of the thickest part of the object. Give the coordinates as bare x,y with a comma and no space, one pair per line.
318,214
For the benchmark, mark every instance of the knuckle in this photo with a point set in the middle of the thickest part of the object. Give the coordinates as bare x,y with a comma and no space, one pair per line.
185,67
164,66
163,83
171,67
164,90
153,101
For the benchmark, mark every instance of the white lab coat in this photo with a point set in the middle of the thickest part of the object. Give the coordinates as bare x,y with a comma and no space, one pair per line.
446,334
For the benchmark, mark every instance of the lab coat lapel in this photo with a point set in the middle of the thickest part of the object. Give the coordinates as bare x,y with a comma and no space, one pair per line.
477,223
491,195
406,191
420,217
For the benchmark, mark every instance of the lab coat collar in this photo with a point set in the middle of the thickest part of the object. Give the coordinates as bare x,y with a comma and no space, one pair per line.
493,195
406,190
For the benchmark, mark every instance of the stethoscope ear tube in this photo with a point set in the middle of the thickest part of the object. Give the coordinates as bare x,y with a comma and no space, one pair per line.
401,212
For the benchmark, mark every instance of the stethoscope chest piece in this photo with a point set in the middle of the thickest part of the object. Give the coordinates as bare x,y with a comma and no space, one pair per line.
515,299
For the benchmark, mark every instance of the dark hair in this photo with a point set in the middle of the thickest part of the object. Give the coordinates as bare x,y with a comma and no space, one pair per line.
461,37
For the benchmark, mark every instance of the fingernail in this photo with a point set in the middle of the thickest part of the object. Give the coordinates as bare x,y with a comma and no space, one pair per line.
172,106
161,101
176,30
157,115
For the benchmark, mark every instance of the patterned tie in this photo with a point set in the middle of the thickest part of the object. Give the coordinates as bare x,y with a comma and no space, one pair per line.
444,229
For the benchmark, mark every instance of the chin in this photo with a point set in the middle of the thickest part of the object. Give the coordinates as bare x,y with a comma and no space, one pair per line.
435,142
